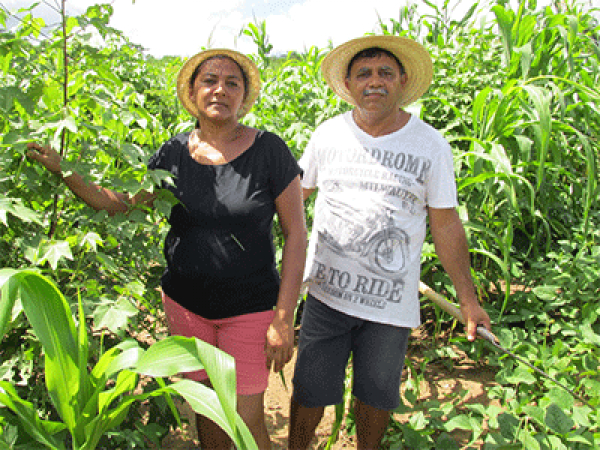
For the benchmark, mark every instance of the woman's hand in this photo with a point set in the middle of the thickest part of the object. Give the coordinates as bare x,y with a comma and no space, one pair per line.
46,156
279,345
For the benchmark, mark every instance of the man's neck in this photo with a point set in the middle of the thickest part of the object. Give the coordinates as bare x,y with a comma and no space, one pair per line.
378,124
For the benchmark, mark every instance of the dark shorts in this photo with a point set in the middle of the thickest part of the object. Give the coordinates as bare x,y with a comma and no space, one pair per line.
328,338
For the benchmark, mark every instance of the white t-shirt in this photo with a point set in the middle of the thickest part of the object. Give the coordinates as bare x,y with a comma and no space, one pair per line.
370,215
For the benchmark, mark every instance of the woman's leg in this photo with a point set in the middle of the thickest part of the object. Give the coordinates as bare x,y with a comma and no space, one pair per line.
210,435
251,409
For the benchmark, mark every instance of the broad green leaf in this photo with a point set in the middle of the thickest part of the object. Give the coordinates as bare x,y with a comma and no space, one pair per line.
90,240
546,292
7,300
41,431
178,354
53,252
557,420
126,382
509,425
114,316
173,355
123,356
529,442
537,413
16,208
561,398
51,319
461,422
205,401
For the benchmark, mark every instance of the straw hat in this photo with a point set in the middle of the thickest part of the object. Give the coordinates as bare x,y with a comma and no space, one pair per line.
250,71
414,58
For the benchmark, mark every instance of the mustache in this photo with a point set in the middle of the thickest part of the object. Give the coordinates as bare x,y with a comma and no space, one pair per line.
381,91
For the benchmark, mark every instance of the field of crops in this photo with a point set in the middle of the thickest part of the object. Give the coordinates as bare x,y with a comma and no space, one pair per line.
516,96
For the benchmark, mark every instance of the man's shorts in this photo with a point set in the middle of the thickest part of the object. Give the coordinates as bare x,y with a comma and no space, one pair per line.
242,337
328,338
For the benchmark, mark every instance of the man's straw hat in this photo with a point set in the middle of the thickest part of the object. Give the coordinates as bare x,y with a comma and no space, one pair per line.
414,58
247,65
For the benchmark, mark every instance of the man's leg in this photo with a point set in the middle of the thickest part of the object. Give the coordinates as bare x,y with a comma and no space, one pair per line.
303,423
371,424
379,353
323,352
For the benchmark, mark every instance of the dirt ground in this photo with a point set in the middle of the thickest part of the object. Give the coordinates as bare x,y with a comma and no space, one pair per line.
440,381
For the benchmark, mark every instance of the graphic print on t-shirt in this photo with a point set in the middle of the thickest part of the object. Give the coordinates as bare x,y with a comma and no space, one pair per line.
363,251
370,215
368,235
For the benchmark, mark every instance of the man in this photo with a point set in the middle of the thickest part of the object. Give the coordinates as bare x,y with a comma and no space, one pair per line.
380,173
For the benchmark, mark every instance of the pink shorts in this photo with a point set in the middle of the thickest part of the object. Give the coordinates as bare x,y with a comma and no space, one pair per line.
242,337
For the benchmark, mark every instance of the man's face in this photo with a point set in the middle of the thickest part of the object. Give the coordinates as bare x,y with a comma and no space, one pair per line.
376,83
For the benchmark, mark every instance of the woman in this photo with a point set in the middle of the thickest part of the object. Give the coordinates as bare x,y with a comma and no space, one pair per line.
221,283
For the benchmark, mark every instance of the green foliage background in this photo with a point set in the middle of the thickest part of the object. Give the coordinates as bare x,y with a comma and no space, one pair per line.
516,95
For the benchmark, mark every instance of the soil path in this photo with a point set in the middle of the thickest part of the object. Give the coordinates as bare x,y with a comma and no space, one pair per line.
440,381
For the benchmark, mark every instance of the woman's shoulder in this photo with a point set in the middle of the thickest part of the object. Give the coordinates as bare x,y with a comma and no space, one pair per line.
170,149
269,138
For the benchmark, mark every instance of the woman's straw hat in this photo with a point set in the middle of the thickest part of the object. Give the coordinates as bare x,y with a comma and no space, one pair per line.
414,58
247,65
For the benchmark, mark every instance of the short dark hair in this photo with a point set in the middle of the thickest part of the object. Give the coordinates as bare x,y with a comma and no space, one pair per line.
373,52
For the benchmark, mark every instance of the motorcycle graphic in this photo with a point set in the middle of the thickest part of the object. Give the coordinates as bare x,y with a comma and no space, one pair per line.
370,237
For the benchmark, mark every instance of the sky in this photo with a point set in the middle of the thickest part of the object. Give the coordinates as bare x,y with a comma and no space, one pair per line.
183,27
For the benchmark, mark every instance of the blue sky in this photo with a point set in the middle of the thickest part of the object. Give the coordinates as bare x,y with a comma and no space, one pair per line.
183,27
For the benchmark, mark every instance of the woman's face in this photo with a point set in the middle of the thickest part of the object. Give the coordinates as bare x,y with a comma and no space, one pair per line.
218,90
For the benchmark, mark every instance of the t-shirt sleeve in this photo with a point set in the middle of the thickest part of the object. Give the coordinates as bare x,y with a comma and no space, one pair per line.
308,163
284,167
168,157
160,159
441,189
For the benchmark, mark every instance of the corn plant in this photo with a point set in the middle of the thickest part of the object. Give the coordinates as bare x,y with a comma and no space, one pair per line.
93,400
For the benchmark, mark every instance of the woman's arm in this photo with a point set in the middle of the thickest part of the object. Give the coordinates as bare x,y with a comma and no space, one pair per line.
93,195
280,336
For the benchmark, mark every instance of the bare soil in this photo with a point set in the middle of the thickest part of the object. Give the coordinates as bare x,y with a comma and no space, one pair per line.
460,379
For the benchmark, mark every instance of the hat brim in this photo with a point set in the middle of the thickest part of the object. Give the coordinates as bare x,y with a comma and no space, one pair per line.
246,64
414,58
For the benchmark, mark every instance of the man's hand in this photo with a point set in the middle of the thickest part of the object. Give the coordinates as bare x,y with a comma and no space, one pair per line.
474,316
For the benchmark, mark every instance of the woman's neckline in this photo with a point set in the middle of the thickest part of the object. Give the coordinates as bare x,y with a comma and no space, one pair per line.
207,155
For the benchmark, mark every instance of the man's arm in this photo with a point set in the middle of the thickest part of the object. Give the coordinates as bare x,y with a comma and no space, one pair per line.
452,249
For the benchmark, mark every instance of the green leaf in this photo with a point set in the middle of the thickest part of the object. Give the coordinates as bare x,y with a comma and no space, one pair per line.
557,420
546,292
114,316
50,316
39,430
521,375
7,300
561,398
206,402
529,442
461,422
90,240
178,354
16,208
53,252
509,425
